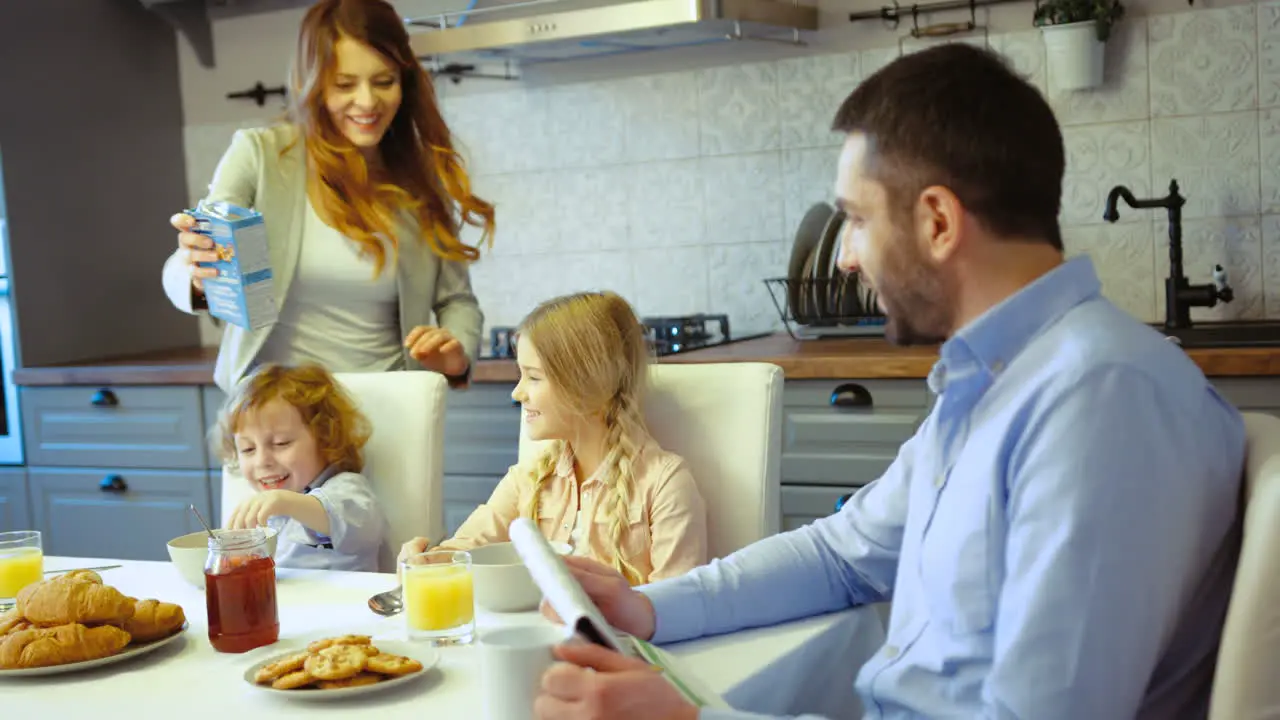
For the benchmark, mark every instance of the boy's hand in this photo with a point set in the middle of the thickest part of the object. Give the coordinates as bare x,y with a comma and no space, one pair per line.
255,511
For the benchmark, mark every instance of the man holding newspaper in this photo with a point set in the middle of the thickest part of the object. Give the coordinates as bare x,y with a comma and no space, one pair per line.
1058,537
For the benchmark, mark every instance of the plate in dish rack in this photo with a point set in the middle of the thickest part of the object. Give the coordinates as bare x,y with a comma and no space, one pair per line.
424,654
130,651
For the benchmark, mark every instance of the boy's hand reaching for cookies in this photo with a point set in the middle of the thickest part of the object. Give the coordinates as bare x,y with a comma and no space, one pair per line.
255,511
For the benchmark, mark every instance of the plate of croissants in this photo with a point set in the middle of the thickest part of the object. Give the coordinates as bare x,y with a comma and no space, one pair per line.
74,622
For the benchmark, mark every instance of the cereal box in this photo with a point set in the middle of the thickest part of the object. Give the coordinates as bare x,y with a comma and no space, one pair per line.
242,294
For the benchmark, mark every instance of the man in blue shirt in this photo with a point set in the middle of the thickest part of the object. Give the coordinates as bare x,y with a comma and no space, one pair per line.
1059,537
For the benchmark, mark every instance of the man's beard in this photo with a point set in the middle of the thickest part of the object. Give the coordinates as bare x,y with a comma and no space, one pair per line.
914,295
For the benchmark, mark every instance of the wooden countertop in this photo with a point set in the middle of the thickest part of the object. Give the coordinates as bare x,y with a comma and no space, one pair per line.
804,359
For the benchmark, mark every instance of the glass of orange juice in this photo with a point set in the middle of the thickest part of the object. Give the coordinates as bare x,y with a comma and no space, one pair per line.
439,604
21,563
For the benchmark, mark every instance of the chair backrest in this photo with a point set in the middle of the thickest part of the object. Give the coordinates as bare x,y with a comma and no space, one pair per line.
404,457
1244,684
725,420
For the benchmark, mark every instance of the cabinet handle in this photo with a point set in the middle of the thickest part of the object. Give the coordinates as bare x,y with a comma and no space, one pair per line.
104,398
850,395
113,484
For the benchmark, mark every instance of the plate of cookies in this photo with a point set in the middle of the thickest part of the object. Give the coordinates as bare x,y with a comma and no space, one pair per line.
75,622
340,667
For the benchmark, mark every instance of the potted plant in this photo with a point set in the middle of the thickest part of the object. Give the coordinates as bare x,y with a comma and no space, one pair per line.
1075,36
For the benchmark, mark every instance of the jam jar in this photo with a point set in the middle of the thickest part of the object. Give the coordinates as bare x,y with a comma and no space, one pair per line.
240,591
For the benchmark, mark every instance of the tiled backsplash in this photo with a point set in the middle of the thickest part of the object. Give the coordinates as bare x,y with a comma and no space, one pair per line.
681,191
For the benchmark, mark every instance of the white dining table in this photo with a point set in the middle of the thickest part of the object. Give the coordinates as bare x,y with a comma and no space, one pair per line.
805,666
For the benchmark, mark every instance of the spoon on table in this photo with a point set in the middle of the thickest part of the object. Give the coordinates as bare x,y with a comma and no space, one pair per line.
388,603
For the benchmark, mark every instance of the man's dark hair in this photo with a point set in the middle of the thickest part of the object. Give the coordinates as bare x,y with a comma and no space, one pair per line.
958,116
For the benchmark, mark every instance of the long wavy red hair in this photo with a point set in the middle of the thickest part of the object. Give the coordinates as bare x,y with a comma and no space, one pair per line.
425,176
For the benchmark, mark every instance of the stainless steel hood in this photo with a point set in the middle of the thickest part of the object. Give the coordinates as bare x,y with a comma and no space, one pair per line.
541,31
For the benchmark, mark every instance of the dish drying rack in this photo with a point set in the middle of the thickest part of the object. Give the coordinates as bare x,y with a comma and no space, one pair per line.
831,307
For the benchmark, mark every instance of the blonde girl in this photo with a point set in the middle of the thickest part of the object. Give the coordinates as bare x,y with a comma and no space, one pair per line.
298,440
601,484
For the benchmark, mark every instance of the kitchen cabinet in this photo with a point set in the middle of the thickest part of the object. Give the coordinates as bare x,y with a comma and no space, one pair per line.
1251,394
15,505
113,470
839,435
113,477
481,442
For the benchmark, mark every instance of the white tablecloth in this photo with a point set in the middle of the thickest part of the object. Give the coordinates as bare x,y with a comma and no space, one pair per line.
805,666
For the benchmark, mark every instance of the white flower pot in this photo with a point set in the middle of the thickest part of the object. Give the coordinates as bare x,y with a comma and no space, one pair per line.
1075,55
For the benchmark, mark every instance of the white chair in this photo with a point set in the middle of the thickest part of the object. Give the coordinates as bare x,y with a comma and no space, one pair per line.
725,420
404,457
1244,684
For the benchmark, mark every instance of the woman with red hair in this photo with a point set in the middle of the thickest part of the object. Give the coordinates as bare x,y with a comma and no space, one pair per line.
363,198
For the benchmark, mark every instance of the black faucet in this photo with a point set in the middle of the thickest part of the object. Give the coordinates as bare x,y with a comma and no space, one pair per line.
1179,294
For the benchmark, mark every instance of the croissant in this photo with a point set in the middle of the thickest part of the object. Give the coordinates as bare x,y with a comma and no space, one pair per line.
88,576
61,602
12,621
42,647
153,620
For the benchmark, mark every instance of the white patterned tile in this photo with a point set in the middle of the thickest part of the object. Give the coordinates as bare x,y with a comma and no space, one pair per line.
1203,61
1123,94
741,197
503,299
1214,158
591,209
1026,55
1235,244
808,176
1269,54
610,270
584,127
661,117
1100,157
811,90
1271,265
736,276
875,60
1269,143
664,204
524,213
1124,257
738,109
670,281
506,132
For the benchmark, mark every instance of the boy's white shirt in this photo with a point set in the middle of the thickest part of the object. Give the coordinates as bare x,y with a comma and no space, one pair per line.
356,527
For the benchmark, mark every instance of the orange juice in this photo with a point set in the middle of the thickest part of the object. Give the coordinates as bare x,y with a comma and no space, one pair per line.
19,568
438,597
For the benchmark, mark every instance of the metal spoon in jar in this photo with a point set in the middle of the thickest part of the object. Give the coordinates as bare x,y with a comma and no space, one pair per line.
200,517
388,603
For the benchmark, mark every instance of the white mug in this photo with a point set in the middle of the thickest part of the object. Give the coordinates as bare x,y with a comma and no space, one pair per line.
512,661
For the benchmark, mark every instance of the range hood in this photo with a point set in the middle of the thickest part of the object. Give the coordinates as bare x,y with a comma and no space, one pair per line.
539,31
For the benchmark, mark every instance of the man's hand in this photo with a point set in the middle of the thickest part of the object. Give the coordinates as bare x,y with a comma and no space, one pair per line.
594,683
255,511
623,608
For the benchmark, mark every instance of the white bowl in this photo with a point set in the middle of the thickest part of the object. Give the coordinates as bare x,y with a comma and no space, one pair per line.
190,551
502,583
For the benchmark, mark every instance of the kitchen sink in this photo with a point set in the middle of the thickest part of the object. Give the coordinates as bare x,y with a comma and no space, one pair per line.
1244,333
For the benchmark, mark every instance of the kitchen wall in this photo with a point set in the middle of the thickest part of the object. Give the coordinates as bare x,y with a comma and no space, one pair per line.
681,190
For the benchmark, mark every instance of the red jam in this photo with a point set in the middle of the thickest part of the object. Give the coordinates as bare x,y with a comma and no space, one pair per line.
240,596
